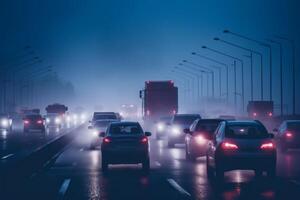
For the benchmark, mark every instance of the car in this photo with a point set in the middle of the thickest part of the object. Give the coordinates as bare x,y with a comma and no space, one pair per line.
104,115
288,135
125,143
54,120
34,123
198,136
178,123
99,126
161,127
5,123
241,145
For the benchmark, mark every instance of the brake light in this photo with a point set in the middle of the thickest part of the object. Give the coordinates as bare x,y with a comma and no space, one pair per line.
270,114
254,114
229,146
267,146
40,121
26,122
144,140
289,135
199,139
106,140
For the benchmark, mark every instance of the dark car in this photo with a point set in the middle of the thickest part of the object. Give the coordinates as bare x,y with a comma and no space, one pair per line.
5,123
241,145
34,123
104,116
161,127
198,136
288,135
125,143
178,123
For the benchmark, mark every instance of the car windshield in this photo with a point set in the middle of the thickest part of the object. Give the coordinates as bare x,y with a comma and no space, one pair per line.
33,117
207,126
185,119
294,126
102,123
125,129
246,131
97,117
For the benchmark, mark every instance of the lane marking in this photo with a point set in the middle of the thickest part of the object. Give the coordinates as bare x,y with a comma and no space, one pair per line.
7,156
64,187
176,186
157,164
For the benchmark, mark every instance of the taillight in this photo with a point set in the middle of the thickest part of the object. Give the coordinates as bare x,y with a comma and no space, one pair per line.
270,114
26,122
106,140
40,121
267,146
229,146
254,114
144,140
288,135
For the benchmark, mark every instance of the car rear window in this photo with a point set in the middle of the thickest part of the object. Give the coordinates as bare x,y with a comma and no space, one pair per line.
98,117
294,126
185,119
207,126
33,117
125,129
247,131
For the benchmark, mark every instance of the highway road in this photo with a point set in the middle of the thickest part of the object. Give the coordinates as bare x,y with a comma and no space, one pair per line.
76,174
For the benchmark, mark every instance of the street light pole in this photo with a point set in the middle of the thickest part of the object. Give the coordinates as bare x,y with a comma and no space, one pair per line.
242,67
251,64
292,43
264,45
222,64
208,71
281,74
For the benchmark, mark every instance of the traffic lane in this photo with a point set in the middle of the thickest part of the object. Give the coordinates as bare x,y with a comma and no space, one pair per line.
237,184
76,174
17,141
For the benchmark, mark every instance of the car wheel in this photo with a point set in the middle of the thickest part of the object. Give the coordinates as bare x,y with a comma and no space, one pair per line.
146,165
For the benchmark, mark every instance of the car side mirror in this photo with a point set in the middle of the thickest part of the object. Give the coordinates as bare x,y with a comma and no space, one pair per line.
275,130
148,134
271,135
90,127
102,134
187,131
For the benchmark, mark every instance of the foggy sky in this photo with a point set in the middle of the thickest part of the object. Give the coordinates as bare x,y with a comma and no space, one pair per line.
107,49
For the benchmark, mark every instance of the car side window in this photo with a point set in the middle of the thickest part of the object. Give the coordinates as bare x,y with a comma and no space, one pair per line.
192,127
220,132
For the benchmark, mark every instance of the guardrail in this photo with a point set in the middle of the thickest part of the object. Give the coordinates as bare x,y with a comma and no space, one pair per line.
20,167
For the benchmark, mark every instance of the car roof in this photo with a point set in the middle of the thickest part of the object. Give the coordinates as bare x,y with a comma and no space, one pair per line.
186,115
107,120
211,120
124,123
242,122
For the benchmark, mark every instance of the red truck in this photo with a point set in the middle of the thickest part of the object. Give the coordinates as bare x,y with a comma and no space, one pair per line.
159,99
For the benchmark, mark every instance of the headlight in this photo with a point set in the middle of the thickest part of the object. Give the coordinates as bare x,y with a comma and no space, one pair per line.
57,120
48,120
175,130
95,133
68,118
4,122
199,139
160,127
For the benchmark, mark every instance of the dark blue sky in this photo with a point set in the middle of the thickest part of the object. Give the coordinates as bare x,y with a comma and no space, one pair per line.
104,46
